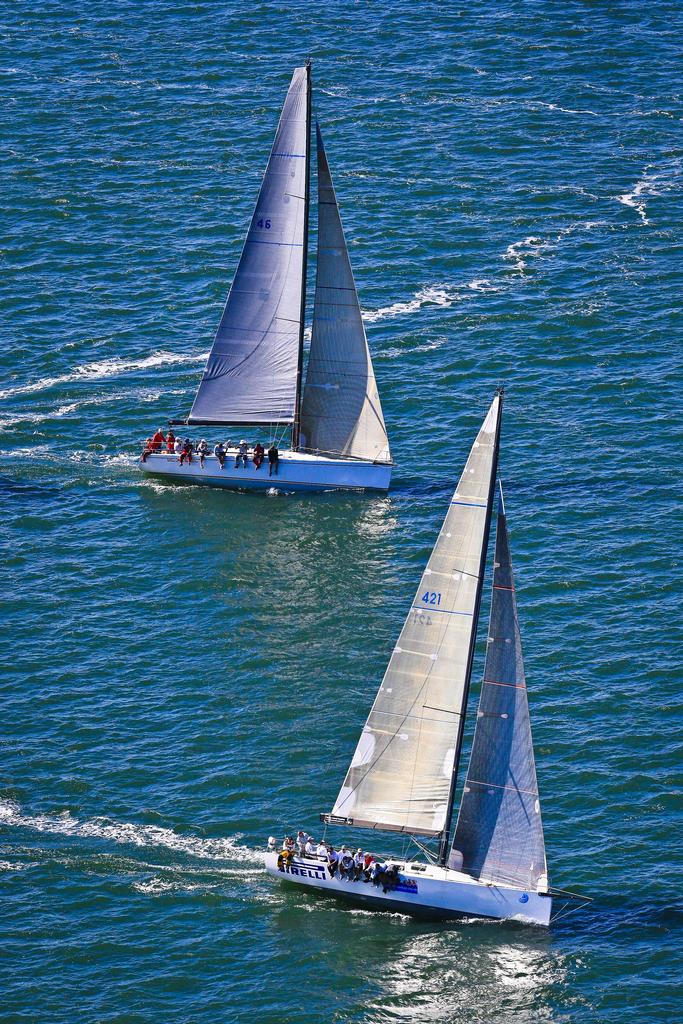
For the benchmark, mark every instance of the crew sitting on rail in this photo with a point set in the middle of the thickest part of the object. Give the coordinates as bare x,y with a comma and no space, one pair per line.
259,452
202,451
178,446
149,447
346,863
358,864
219,452
186,452
242,455
158,440
332,861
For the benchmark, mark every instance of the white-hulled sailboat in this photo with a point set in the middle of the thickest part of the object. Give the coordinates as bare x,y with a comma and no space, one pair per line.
253,377
402,777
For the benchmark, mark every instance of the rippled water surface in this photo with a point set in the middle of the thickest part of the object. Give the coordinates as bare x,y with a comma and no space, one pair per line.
185,671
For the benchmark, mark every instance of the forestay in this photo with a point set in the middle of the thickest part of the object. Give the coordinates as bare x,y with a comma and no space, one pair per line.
499,831
341,412
251,374
400,776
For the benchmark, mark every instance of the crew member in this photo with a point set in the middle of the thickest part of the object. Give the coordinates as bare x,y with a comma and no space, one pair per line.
242,455
259,452
186,453
170,441
345,863
202,451
158,440
273,460
219,452
332,860
301,840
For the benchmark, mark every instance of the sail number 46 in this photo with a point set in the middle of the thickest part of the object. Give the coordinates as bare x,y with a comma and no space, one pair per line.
263,223
431,597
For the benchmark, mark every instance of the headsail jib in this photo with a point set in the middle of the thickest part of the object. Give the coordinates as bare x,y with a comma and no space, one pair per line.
401,775
253,368
341,412
499,832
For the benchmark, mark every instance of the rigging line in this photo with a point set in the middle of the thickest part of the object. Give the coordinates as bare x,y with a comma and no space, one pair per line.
494,682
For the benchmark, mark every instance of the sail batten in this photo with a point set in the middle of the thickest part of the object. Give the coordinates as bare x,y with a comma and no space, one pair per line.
401,774
499,832
252,372
341,411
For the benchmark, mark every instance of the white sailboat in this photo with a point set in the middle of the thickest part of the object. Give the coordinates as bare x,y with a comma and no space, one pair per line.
402,777
253,377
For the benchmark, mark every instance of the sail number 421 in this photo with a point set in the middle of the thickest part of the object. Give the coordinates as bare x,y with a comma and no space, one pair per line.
431,597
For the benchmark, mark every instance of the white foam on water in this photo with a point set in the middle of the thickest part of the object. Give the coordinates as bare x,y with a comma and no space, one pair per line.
567,110
432,295
130,834
139,396
104,368
517,251
533,245
158,886
652,183
383,913
6,865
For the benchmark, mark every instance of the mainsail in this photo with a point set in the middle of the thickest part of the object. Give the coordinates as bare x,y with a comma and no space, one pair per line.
341,412
401,775
253,369
499,833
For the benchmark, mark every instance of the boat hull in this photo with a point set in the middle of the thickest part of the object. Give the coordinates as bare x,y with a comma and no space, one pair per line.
296,472
434,892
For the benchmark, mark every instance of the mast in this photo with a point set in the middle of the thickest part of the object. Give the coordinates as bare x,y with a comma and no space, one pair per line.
445,839
296,428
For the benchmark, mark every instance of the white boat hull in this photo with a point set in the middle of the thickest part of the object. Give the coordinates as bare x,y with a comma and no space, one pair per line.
296,472
434,892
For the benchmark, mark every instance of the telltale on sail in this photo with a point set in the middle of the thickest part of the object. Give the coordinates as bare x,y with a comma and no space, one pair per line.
403,774
254,373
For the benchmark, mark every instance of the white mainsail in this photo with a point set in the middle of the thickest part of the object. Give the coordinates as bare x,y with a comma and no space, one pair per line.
401,775
499,833
252,372
341,411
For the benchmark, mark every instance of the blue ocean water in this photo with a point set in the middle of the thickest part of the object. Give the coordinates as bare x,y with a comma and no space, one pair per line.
185,672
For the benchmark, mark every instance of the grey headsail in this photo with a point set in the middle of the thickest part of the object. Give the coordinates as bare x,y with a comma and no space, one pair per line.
499,832
252,372
341,412
401,774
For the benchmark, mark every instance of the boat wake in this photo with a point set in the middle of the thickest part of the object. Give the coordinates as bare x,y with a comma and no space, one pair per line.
130,834
104,368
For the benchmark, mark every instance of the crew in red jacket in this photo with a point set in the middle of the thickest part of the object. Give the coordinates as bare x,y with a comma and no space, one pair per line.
158,440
